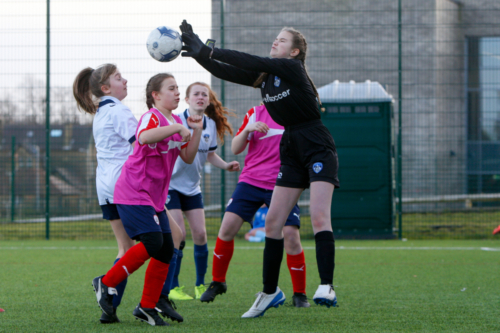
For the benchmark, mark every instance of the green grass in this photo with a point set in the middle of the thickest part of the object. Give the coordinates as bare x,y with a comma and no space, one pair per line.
45,286
458,225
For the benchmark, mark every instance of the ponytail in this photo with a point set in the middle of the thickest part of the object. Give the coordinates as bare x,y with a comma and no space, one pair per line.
88,83
262,77
215,111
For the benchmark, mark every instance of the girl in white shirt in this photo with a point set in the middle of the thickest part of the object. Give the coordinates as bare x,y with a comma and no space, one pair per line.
185,192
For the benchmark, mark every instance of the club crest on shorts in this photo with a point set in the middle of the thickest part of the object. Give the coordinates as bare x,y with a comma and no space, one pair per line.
277,81
229,202
280,175
168,199
206,137
156,219
317,167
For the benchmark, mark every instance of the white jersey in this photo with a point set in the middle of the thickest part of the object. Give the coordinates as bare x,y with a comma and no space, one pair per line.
114,131
186,177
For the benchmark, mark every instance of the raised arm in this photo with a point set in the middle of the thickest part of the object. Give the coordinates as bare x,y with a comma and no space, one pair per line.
249,125
149,130
155,135
228,72
288,69
189,152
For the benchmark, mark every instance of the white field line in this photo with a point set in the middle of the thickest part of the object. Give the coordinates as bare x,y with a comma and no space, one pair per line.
355,248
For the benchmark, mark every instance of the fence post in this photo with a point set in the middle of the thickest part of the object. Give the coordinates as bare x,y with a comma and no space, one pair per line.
47,131
223,101
400,140
13,180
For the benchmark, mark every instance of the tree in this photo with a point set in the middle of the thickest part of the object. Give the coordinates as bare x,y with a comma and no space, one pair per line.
7,110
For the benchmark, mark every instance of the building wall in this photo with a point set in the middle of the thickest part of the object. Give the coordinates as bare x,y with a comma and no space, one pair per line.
358,40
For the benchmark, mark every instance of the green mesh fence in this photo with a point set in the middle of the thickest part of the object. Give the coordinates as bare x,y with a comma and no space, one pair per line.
439,60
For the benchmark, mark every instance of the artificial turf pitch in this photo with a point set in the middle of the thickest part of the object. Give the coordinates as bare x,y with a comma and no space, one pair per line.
382,286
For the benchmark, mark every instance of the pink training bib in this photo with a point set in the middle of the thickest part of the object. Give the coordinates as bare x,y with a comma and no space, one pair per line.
262,162
146,174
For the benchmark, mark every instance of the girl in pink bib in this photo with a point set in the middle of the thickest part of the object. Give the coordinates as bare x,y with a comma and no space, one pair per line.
140,194
255,187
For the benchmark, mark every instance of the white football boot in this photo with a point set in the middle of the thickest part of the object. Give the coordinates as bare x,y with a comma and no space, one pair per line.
264,302
325,295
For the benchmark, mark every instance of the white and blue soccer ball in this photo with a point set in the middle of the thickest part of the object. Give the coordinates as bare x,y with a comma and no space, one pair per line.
164,44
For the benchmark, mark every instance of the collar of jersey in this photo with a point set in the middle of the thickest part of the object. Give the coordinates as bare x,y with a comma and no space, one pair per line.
114,99
107,100
168,121
186,116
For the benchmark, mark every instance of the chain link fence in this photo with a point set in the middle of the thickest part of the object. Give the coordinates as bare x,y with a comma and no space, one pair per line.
438,59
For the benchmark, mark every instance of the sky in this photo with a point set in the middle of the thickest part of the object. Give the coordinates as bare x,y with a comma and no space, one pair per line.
90,33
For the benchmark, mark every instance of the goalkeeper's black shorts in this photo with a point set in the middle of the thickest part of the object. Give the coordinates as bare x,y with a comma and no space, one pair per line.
308,154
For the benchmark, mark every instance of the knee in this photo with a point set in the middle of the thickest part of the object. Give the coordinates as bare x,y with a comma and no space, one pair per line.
153,242
226,233
226,236
167,250
320,221
274,229
292,240
200,236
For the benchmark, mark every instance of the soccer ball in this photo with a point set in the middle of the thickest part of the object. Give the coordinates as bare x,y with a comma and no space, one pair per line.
164,44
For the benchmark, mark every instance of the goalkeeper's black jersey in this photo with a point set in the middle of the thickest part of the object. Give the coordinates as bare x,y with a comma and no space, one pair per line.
286,93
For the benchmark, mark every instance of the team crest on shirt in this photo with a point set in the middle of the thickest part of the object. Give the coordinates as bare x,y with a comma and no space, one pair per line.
168,199
206,137
156,219
277,81
153,146
263,85
317,167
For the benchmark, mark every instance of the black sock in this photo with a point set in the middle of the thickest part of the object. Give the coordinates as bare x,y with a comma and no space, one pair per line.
273,255
325,255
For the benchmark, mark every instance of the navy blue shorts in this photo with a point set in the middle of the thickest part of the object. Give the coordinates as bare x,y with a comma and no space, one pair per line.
247,199
177,200
110,212
140,219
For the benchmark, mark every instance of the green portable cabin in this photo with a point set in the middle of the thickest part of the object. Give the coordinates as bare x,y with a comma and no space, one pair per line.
359,117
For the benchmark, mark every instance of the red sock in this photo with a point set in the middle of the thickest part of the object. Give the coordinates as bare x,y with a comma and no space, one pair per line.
156,273
297,267
129,263
223,253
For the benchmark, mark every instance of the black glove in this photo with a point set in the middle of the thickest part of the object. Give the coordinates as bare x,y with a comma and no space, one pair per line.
193,44
186,27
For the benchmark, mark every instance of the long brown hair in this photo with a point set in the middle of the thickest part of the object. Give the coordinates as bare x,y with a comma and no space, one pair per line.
215,111
298,42
154,84
89,82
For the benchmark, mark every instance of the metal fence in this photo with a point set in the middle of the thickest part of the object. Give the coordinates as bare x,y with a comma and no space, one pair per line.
439,59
